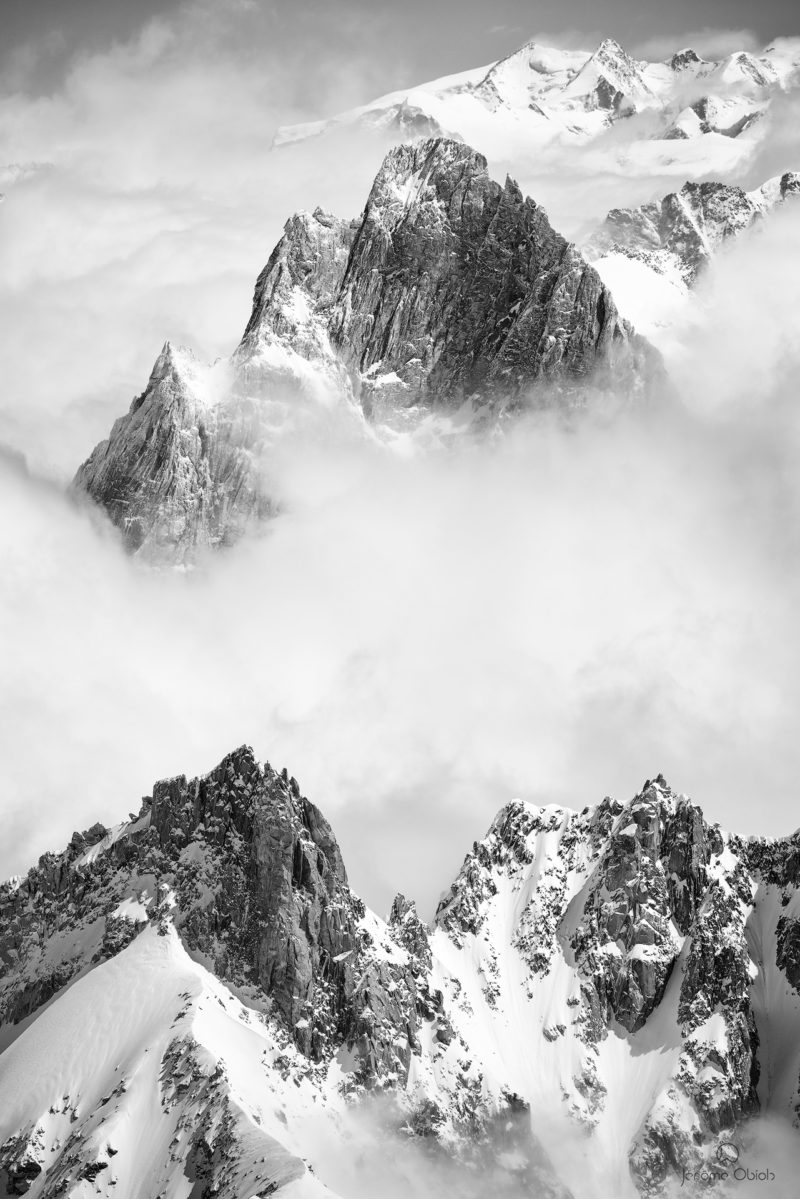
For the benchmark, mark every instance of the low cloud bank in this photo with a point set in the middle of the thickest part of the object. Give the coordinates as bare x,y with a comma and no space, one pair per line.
418,638
376,1148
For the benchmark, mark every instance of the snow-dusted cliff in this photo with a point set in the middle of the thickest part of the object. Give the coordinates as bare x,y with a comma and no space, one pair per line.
652,256
605,1001
678,235
450,290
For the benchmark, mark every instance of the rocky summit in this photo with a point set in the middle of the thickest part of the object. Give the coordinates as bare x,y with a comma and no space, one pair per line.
539,96
678,235
619,987
450,290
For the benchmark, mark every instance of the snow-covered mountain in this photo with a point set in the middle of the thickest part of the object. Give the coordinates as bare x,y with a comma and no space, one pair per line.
191,1001
652,255
195,1002
688,114
450,294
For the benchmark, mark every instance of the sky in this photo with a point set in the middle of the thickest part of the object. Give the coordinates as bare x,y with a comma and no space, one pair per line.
418,641
414,41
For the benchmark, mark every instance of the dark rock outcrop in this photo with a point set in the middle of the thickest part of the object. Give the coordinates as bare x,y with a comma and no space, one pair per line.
448,288
463,290
176,474
686,58
669,925
259,889
682,232
563,934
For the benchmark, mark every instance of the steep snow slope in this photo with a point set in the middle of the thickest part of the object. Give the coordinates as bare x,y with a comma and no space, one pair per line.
776,1001
619,969
606,1001
686,115
147,1077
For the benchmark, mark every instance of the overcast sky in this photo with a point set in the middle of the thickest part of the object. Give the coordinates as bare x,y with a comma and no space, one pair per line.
417,642
413,41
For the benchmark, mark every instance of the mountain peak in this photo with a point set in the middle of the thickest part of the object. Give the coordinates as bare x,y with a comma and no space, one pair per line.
610,48
610,80
451,291
176,362
450,265
428,157
686,58
678,235
627,938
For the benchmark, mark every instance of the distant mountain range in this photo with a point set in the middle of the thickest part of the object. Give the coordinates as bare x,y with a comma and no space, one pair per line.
685,114
652,255
679,235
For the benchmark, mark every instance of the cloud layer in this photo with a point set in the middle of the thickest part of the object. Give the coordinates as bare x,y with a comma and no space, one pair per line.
141,202
417,638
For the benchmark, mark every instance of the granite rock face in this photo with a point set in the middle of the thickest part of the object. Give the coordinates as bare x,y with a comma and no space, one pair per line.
282,913
629,906
176,474
449,288
462,290
247,873
303,275
259,889
639,921
574,956
681,233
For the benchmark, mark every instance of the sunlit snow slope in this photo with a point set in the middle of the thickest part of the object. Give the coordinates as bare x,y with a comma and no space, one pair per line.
147,1077
195,1003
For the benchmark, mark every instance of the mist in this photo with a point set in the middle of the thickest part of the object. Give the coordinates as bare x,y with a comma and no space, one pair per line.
141,201
142,197
377,1147
420,636
374,1147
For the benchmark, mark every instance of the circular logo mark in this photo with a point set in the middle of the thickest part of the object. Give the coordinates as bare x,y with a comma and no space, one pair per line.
727,1153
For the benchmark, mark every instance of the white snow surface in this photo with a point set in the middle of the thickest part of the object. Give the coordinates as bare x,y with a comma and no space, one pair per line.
541,94
526,1029
653,301
110,1085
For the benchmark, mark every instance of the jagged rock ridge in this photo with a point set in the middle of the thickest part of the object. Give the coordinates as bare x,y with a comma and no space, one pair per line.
450,288
679,234
629,971
178,469
242,872
462,289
